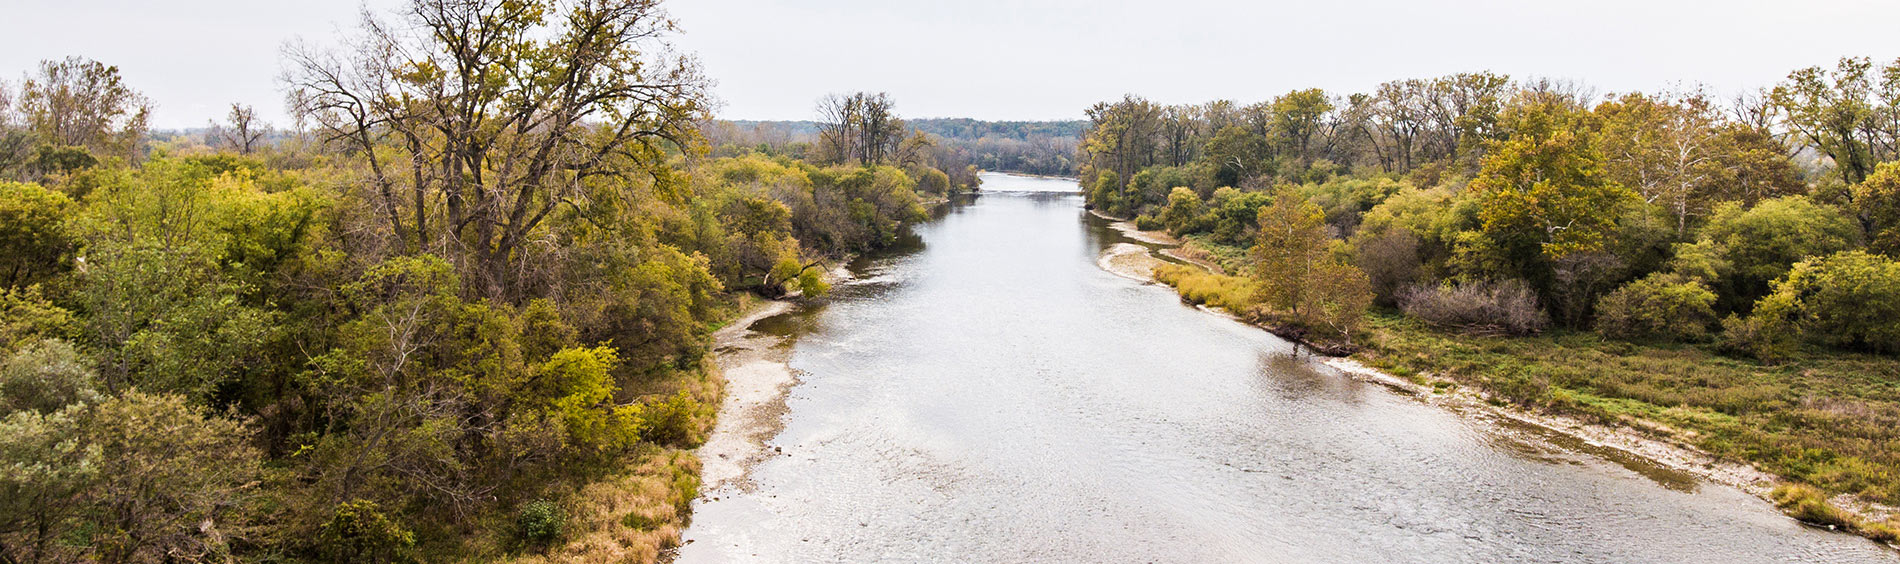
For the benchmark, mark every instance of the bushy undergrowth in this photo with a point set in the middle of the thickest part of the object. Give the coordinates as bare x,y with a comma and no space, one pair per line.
1507,308
1198,286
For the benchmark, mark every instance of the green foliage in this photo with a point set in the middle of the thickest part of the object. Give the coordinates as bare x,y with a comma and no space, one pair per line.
1766,339
34,242
1761,243
47,469
134,478
673,421
1543,194
1661,307
1847,300
575,387
166,319
1183,212
1877,201
540,522
359,531
46,377
1233,216
811,283
1347,199
26,316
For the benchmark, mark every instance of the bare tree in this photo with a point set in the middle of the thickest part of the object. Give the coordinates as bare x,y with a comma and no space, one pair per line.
243,132
861,128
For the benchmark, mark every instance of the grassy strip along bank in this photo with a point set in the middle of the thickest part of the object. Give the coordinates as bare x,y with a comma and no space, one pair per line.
1827,422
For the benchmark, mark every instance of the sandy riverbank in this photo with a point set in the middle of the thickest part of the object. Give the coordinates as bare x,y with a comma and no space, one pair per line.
757,380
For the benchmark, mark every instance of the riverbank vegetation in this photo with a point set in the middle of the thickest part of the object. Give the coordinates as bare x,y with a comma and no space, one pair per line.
459,312
1715,271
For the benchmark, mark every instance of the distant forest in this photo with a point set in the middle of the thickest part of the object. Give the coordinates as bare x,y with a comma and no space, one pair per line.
1029,147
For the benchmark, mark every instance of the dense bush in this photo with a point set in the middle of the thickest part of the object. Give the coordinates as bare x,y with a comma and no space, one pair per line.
1508,307
1183,212
1661,306
540,522
1849,300
1762,242
674,421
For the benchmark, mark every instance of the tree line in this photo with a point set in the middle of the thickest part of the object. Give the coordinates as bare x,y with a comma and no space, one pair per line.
1027,147
460,310
1489,204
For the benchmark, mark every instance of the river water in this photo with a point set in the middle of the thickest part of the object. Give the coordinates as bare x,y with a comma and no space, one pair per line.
988,394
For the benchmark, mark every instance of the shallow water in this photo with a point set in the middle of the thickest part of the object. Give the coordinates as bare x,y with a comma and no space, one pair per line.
991,395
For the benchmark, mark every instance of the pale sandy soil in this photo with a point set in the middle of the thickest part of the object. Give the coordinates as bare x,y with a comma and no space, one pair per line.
1130,261
757,379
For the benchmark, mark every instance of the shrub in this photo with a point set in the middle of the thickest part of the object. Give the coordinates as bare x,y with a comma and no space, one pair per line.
812,283
1661,306
1508,307
1390,260
1183,212
1757,337
1763,241
1847,300
358,531
673,422
540,522
1148,223
45,377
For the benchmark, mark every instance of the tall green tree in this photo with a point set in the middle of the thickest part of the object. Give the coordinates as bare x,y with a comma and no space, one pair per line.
35,243
1543,194
1298,273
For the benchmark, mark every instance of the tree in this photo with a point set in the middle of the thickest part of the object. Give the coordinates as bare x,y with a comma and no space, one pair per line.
861,128
1123,137
1664,148
167,320
142,477
1299,120
242,133
1877,202
500,112
1298,275
1847,114
1240,155
1542,192
84,103
45,377
1762,242
1847,300
35,244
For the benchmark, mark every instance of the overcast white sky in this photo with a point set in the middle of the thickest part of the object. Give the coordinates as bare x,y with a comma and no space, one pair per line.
1025,59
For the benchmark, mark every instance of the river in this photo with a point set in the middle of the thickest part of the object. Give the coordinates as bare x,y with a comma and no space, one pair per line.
989,394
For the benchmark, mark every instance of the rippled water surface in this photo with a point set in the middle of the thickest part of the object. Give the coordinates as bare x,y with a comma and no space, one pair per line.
990,395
